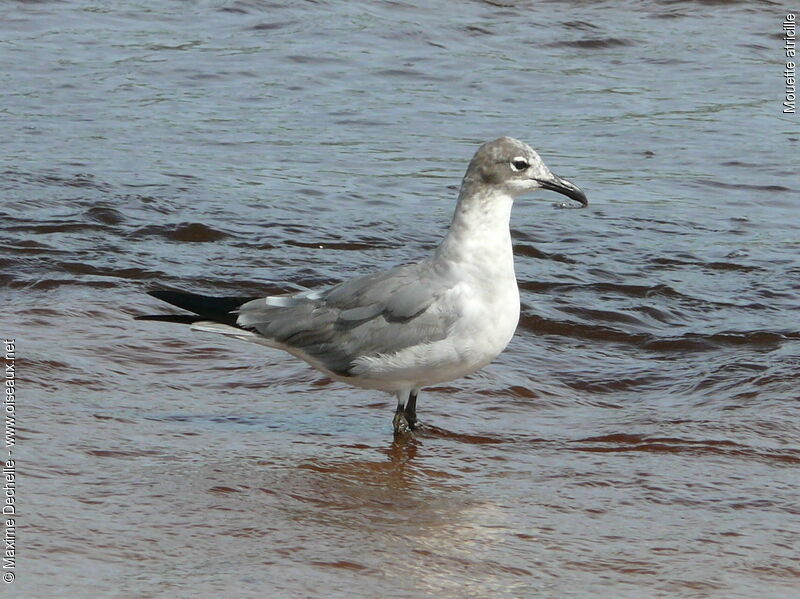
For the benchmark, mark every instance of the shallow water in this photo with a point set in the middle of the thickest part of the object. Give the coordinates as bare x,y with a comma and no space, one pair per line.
639,436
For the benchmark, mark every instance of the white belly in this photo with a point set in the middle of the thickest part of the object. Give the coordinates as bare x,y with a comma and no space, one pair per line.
487,321
485,303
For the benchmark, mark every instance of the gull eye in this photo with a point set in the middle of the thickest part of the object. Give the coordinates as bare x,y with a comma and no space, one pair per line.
519,164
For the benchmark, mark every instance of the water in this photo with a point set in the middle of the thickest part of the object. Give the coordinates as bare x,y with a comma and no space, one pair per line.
639,437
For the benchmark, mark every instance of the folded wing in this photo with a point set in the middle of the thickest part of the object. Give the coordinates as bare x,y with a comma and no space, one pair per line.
367,316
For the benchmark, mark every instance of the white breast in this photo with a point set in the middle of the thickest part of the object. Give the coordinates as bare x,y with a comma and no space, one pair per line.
486,301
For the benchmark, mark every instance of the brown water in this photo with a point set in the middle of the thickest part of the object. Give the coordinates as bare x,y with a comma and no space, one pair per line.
638,438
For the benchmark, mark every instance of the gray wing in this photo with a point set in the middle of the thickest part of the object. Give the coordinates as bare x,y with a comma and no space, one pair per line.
375,314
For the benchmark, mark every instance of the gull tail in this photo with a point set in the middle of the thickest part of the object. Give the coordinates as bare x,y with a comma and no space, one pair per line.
205,308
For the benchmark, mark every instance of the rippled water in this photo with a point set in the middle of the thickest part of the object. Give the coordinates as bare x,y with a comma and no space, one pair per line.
639,437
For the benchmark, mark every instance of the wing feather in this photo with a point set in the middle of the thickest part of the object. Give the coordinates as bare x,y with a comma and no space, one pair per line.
375,314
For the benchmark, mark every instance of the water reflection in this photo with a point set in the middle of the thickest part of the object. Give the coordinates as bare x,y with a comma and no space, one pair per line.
412,516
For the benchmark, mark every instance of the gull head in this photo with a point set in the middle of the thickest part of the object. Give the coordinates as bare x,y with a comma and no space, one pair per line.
512,167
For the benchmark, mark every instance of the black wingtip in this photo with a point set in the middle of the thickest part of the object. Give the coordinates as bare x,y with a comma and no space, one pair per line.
171,296
204,307
179,318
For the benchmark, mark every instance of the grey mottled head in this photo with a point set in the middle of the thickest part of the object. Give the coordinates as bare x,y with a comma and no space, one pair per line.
513,167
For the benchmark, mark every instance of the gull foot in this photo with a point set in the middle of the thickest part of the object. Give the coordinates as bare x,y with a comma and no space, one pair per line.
411,419
401,425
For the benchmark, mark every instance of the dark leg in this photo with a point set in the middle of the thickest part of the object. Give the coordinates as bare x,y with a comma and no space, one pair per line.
400,423
411,409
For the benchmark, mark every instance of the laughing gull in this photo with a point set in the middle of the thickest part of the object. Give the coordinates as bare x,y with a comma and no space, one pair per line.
410,326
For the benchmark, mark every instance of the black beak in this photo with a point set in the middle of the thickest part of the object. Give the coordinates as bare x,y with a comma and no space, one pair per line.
564,187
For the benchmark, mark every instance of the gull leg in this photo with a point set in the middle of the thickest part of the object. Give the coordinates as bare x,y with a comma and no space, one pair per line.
400,423
410,410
